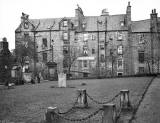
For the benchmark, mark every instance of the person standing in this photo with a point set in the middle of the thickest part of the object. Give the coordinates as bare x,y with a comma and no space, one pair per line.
38,78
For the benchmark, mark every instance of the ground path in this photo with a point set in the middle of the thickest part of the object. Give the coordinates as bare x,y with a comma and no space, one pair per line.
149,110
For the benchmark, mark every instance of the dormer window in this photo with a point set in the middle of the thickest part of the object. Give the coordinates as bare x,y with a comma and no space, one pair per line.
65,23
83,25
26,25
122,23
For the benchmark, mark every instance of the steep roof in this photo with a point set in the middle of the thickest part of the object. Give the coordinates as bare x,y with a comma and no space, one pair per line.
141,26
46,23
113,23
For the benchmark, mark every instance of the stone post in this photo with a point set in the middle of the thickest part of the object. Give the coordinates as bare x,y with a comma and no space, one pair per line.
124,99
50,115
109,115
82,98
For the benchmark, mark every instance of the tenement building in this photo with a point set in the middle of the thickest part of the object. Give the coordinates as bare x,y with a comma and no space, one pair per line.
105,45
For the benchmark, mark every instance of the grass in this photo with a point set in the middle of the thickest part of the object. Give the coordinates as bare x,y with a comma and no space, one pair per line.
28,103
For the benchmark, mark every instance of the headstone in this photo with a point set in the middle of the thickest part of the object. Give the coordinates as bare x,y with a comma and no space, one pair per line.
62,80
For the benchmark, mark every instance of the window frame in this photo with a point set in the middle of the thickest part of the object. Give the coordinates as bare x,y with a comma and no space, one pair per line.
85,63
44,55
141,58
102,58
65,23
44,42
120,66
120,50
65,36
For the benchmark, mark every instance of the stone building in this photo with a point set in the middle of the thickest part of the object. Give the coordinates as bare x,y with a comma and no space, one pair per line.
105,45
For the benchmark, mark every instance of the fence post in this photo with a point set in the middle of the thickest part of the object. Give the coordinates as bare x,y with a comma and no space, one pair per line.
82,98
109,115
50,115
124,99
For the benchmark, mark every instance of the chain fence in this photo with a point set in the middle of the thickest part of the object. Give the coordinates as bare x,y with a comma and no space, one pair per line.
105,102
72,108
63,119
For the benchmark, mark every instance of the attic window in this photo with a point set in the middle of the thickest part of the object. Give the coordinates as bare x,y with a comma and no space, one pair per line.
65,23
26,25
122,23
83,25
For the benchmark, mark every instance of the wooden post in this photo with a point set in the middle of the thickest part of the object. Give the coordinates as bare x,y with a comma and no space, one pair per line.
124,99
109,115
50,115
82,98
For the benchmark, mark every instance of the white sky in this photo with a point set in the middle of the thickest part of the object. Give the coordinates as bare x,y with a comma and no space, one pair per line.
10,11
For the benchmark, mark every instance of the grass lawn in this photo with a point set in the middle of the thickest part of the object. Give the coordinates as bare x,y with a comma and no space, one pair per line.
28,103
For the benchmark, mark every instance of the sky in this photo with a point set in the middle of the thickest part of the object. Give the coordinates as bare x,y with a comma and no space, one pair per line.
11,11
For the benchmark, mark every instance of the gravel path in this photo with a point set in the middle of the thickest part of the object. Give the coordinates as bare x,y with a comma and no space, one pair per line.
149,110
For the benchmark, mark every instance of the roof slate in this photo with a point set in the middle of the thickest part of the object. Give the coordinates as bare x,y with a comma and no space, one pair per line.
141,26
113,23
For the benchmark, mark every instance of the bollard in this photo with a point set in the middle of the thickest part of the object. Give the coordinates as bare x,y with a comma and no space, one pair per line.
124,99
82,98
50,115
109,115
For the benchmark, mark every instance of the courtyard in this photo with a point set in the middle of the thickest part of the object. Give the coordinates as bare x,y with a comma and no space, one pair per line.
28,103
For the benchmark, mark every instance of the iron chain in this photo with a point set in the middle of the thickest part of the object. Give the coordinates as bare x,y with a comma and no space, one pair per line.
98,102
80,119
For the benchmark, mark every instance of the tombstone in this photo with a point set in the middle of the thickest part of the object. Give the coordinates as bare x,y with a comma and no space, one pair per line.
62,80
124,100
82,98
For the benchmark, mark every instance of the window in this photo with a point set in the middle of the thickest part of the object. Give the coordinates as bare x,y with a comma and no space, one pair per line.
26,25
45,57
102,47
65,50
85,37
141,38
26,35
85,50
119,73
141,70
83,25
44,42
141,56
85,63
120,36
119,64
120,49
122,23
93,37
65,23
65,36
93,51
102,58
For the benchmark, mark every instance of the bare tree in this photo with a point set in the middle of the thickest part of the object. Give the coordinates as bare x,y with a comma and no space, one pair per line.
73,54
24,50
